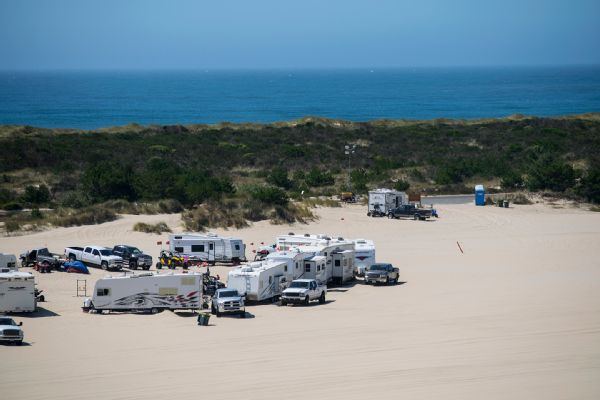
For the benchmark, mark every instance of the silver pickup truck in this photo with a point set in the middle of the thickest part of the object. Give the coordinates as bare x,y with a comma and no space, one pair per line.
302,291
382,273
228,301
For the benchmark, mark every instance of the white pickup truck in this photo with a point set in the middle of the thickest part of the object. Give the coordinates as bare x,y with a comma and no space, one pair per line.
102,257
302,291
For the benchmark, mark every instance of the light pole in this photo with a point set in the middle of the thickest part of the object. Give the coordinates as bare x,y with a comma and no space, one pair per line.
349,150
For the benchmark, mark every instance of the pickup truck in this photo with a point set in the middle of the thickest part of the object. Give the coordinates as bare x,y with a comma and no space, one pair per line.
10,331
228,301
303,291
96,256
41,258
382,273
133,256
409,210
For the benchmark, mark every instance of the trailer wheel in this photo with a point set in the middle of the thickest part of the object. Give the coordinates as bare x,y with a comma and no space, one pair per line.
154,310
322,298
306,300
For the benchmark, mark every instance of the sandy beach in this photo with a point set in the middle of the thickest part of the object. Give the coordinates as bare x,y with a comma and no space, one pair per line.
516,316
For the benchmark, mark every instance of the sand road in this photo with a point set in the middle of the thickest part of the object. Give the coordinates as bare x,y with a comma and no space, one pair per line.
516,316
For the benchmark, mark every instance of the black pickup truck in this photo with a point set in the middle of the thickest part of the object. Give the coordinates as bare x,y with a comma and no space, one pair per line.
132,256
409,211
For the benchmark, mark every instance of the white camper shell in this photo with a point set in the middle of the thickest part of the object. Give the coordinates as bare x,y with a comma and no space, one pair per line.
17,292
364,255
381,201
8,263
147,292
209,248
261,280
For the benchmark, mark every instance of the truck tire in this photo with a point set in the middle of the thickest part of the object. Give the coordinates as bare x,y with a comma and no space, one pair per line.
133,265
23,264
104,265
369,214
322,298
391,216
306,300
154,310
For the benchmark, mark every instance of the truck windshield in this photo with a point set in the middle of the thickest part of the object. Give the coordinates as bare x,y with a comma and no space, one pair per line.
378,267
7,321
301,285
106,252
228,293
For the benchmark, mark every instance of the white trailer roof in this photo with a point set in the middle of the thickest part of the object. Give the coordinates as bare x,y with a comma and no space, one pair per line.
198,236
16,274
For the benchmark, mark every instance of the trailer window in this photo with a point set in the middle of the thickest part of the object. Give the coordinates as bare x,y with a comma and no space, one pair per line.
178,249
306,267
337,263
237,246
102,292
211,246
197,248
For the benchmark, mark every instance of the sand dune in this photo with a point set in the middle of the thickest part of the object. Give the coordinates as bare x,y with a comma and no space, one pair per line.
516,316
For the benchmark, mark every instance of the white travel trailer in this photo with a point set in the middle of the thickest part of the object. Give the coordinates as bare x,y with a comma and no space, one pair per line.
294,258
210,248
364,255
383,200
261,280
8,262
316,268
17,292
147,292
343,266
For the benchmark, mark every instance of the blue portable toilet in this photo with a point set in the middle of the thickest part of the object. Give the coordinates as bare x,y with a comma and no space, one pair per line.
479,195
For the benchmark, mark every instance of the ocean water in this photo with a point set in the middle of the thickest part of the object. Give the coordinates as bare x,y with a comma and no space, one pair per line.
93,99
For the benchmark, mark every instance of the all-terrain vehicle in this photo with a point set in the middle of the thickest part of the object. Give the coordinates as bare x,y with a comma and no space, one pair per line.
169,260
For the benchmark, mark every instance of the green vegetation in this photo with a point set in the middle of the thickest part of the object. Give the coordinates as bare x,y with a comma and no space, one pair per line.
247,172
157,228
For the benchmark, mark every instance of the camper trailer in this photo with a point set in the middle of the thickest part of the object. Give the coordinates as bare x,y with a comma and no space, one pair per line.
209,248
316,268
343,266
383,200
147,292
364,255
261,280
364,250
8,263
294,257
17,292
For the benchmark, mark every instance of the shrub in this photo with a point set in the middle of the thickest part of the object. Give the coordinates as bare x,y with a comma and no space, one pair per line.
269,195
589,186
317,178
551,175
401,185
36,195
157,228
11,226
85,216
36,213
13,206
279,177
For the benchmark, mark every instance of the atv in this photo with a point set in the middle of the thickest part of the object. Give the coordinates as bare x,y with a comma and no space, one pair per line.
169,260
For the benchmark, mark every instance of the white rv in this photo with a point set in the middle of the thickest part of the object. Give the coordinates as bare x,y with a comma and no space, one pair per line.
316,268
323,245
383,200
261,280
343,266
17,292
210,248
147,292
8,262
364,255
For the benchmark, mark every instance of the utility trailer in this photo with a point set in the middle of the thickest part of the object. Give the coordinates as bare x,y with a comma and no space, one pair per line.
381,201
146,292
17,292
210,248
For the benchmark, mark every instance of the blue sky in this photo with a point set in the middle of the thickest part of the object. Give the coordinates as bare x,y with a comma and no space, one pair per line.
152,34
